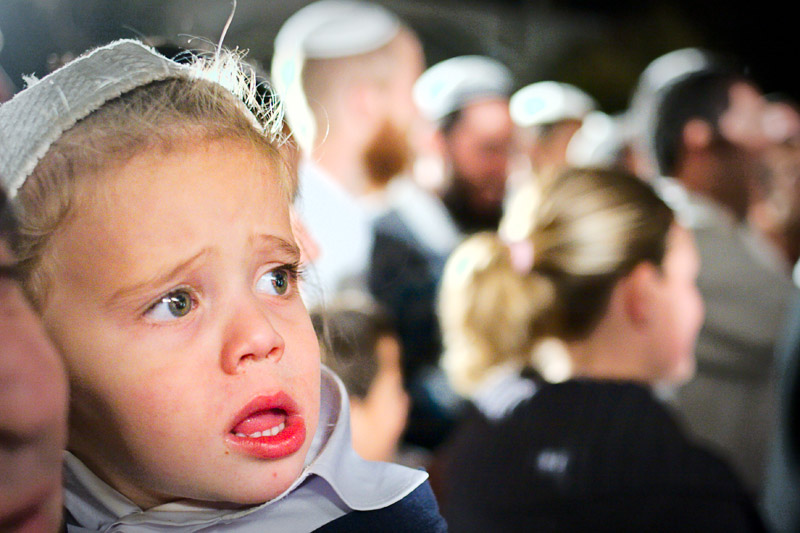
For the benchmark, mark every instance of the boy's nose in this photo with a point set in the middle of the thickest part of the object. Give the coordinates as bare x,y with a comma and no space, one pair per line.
250,337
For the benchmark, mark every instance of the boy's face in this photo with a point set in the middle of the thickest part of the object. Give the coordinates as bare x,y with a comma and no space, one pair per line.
380,418
174,300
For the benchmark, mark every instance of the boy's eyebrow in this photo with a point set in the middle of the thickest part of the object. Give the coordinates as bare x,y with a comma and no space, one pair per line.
281,245
162,279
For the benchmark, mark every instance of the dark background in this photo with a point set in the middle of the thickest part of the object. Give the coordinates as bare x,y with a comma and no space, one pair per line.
599,46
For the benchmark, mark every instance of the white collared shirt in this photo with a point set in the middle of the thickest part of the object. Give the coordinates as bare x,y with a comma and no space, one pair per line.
334,482
503,389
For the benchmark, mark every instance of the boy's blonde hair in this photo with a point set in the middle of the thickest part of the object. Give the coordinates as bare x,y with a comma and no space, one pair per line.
582,232
217,99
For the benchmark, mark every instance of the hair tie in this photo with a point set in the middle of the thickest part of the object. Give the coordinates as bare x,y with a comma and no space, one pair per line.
521,252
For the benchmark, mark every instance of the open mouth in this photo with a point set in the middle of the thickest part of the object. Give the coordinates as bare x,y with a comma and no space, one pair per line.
266,423
269,427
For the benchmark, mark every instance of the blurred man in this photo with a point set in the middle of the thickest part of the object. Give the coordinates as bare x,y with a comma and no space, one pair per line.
549,114
709,138
775,210
345,70
467,98
653,82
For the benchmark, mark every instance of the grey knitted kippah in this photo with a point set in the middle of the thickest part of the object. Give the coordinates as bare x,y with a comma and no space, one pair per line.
37,116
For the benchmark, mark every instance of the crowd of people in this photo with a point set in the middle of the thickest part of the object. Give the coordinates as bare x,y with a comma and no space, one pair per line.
359,293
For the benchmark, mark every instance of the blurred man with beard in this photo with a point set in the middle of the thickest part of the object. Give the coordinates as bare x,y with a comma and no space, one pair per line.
775,211
467,98
345,69
709,138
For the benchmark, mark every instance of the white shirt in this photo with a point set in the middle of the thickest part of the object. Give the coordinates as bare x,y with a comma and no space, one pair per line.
342,229
424,214
334,482
503,389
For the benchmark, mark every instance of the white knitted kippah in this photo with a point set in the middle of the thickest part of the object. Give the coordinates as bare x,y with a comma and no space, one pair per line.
338,28
456,82
548,102
325,29
37,116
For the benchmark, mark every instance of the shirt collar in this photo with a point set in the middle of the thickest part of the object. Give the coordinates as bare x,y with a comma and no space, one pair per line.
333,473
693,210
503,389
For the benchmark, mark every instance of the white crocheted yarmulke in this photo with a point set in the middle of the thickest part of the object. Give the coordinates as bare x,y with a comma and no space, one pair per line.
325,29
456,82
548,102
37,116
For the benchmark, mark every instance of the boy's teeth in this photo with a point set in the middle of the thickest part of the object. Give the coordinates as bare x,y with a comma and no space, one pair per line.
266,433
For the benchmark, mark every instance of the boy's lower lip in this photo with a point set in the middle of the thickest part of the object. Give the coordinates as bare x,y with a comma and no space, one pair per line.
285,442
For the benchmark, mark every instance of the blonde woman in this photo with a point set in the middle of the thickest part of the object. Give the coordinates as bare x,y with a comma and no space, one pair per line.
597,261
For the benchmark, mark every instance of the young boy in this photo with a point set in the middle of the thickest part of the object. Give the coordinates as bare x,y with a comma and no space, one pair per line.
156,246
359,343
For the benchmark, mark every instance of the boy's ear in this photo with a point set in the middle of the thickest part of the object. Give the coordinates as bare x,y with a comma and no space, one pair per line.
639,292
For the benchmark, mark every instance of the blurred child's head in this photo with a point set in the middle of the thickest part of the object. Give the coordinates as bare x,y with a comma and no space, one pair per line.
564,249
359,343
156,245
33,404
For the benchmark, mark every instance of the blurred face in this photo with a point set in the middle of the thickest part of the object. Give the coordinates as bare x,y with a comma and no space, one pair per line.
742,124
380,418
389,150
478,149
678,310
193,364
409,64
549,153
33,414
783,163
782,159
744,138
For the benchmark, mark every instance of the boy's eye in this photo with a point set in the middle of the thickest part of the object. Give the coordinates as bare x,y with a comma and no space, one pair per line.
276,282
174,305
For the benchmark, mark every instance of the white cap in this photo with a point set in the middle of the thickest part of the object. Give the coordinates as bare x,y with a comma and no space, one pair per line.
660,74
450,85
597,142
547,102
337,28
324,30
37,116
670,67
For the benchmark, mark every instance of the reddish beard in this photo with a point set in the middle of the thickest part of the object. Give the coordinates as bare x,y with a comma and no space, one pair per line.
387,154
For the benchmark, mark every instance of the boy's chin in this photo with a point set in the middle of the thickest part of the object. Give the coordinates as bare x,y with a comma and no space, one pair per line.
264,485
